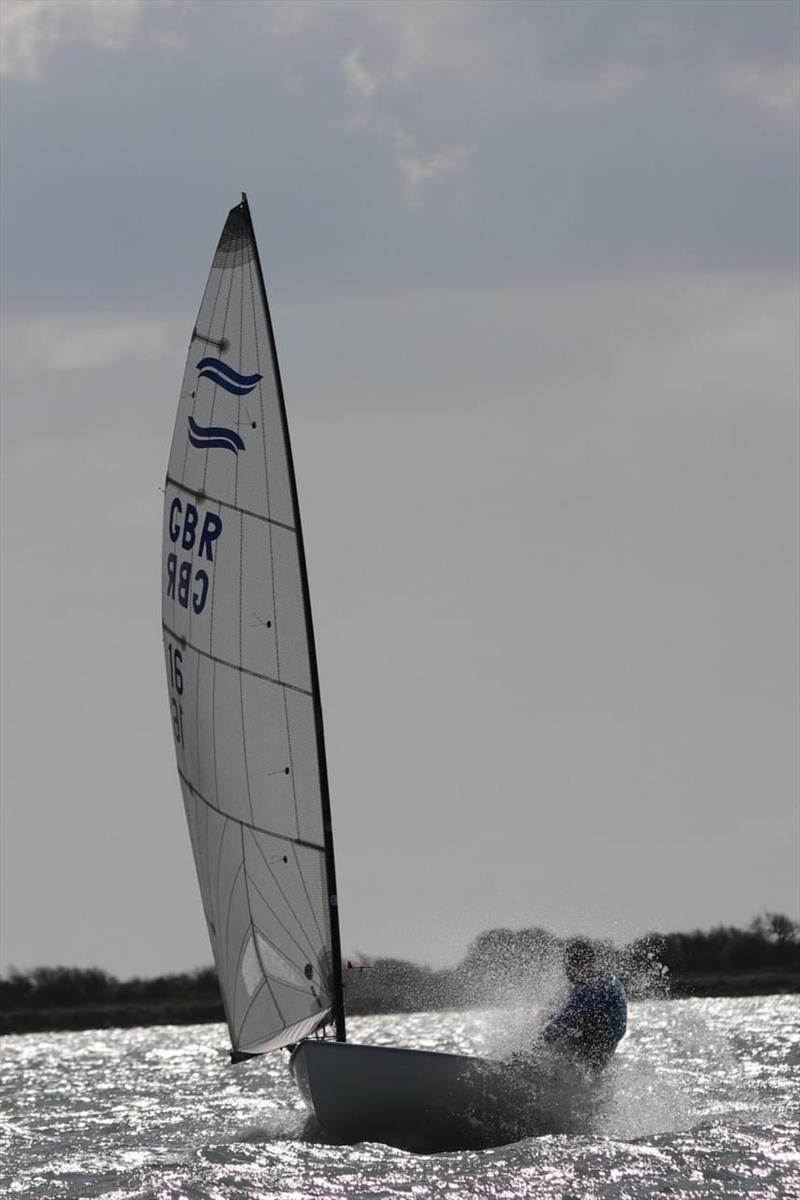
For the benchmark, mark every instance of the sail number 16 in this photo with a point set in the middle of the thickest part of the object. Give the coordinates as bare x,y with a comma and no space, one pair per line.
175,669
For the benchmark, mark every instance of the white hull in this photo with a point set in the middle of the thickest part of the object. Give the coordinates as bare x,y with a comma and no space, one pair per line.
415,1099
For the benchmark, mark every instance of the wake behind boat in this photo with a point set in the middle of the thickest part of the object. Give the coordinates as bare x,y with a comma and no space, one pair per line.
247,725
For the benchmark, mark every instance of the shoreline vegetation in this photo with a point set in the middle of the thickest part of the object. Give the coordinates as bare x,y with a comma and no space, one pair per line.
501,966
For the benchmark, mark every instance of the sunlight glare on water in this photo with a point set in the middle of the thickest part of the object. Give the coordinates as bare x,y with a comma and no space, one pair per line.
702,1101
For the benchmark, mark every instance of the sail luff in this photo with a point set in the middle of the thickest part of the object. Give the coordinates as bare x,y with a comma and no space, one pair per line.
330,864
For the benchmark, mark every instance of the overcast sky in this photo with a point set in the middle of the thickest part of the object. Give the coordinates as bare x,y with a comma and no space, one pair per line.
534,276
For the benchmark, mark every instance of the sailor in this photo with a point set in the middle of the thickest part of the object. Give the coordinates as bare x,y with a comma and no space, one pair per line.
594,1017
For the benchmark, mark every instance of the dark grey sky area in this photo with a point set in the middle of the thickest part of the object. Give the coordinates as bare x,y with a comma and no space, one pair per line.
534,277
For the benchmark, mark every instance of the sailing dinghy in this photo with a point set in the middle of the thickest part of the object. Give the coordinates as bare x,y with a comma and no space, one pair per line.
247,725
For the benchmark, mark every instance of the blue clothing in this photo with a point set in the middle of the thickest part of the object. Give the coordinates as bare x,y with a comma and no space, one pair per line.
592,1021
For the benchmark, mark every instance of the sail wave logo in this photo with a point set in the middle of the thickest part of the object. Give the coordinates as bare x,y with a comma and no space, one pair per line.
206,438
225,377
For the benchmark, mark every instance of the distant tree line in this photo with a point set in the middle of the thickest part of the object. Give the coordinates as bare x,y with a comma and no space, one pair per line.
770,943
500,965
56,987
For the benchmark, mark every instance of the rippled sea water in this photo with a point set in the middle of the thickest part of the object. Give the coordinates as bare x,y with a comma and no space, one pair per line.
703,1101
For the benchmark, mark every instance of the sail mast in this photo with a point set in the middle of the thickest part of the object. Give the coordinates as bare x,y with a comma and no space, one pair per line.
330,865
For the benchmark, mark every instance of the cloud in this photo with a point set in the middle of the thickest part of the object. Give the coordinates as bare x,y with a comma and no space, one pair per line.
570,51
171,41
33,30
415,168
418,170
360,80
415,39
287,18
565,57
778,88
410,40
84,344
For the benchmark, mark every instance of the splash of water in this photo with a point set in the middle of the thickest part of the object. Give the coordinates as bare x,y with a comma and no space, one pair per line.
639,1093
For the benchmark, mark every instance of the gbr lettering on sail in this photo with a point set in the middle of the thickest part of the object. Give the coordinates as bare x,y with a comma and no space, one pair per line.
192,557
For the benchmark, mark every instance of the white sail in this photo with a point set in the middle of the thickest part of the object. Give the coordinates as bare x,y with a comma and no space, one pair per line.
241,669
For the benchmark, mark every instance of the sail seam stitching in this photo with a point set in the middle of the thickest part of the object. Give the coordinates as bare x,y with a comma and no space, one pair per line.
201,495
214,384
308,897
275,978
218,878
236,1034
286,902
223,662
287,723
190,355
245,757
234,882
253,932
322,768
281,837
237,1039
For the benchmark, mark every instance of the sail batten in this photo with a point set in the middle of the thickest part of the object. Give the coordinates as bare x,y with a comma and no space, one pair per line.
224,504
241,669
214,658
293,841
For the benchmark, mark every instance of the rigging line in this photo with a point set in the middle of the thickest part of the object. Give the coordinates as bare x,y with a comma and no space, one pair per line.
281,837
324,939
286,930
254,932
223,662
205,498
